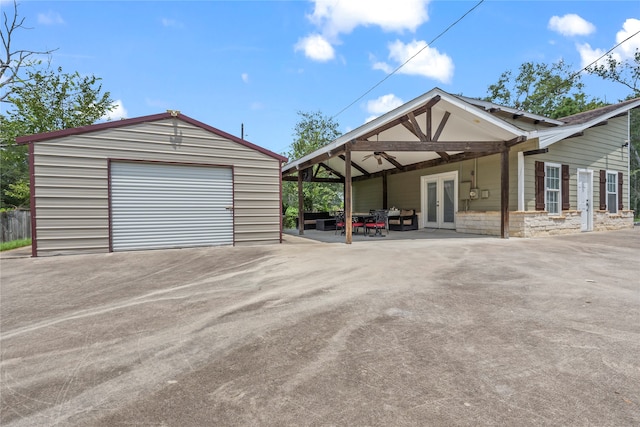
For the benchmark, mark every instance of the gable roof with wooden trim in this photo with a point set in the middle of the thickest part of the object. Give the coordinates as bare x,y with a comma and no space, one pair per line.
436,128
27,139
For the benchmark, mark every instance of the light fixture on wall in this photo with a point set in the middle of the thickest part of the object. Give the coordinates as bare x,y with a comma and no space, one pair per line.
626,143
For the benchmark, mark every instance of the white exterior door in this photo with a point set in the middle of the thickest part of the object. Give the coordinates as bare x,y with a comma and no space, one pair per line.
160,206
439,195
585,198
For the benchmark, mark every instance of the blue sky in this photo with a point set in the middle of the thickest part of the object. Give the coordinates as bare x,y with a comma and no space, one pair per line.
260,62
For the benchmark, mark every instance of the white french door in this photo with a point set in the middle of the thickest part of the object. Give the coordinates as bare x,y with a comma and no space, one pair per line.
585,198
439,194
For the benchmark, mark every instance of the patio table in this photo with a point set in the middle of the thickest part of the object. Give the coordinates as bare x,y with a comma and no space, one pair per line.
325,224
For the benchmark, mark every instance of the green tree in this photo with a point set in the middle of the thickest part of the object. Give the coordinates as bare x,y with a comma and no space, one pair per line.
44,101
627,73
548,90
312,131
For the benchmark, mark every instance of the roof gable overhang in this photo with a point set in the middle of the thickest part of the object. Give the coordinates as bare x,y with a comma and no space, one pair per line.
549,137
434,128
48,136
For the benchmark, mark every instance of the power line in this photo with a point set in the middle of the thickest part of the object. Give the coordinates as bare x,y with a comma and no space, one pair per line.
575,74
407,61
603,55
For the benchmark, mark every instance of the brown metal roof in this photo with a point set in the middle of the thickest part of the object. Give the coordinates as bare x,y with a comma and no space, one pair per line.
27,139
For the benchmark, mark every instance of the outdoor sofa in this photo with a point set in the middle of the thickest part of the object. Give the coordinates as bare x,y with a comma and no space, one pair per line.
407,220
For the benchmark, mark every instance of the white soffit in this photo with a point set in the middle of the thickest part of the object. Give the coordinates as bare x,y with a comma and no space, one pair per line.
466,122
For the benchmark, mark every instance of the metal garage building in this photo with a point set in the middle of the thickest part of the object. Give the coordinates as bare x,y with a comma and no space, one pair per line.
154,182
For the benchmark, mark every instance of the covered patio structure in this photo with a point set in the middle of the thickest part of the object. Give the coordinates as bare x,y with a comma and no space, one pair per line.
426,134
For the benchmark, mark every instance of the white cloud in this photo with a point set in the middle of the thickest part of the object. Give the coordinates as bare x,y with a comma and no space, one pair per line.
625,51
316,47
50,18
384,104
628,48
571,25
119,112
172,23
342,17
588,54
427,63
245,77
333,18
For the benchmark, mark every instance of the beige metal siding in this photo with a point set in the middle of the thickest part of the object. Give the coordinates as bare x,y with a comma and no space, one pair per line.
71,181
599,148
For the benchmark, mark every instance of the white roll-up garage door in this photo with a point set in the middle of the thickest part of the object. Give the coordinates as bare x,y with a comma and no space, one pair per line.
159,206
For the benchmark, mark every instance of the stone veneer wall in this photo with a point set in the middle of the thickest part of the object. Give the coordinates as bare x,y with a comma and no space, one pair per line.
539,223
603,220
479,222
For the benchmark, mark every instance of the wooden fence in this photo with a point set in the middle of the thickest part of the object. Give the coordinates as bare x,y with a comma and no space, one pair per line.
15,225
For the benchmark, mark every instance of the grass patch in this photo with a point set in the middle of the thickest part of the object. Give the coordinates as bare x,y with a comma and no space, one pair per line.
14,244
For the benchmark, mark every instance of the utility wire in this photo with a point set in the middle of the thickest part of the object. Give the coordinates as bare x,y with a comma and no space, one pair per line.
573,76
407,61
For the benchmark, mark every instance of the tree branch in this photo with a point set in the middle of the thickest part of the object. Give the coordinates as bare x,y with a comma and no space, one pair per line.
13,61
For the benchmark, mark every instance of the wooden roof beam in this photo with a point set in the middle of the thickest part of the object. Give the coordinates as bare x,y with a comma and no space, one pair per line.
433,101
466,146
356,166
391,160
313,179
331,170
314,161
436,136
415,128
426,164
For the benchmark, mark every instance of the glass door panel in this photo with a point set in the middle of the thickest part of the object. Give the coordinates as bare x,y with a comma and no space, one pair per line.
432,202
449,194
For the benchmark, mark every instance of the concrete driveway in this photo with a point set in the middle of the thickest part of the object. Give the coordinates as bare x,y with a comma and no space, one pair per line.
380,333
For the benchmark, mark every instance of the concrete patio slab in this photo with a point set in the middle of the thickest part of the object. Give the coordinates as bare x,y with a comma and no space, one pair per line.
465,331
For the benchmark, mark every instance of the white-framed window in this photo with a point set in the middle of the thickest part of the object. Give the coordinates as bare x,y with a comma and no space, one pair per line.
612,191
552,188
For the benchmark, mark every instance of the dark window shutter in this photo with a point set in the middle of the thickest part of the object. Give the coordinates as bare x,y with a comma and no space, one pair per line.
620,202
565,188
603,190
539,186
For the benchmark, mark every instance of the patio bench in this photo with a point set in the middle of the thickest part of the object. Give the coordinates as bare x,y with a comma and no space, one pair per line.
407,220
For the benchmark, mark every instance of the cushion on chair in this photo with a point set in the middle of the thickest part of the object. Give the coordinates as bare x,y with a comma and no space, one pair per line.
374,224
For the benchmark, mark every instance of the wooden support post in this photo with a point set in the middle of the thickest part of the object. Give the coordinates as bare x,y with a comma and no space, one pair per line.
348,229
300,204
504,194
384,191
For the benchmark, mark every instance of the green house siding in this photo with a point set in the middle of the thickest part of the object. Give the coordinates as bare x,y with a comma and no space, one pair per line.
598,148
367,195
403,189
